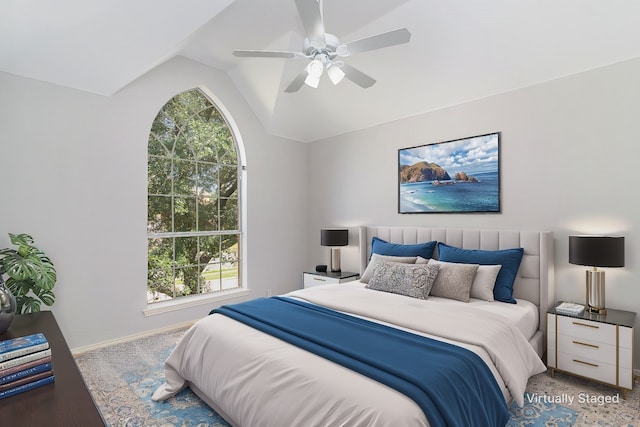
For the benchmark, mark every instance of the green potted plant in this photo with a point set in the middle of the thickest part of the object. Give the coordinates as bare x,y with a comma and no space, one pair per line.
30,274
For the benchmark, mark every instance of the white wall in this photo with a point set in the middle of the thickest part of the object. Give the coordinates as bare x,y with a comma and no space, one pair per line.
569,164
73,175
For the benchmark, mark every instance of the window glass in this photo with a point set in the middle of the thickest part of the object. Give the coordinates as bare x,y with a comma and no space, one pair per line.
193,204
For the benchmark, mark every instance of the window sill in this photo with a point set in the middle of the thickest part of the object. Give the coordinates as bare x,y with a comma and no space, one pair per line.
188,302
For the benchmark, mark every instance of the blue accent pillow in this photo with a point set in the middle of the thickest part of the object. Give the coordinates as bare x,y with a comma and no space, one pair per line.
510,260
381,247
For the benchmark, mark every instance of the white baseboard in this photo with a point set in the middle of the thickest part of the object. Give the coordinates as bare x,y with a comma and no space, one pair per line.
84,349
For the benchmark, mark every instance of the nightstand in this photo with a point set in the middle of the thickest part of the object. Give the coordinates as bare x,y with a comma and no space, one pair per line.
593,346
316,278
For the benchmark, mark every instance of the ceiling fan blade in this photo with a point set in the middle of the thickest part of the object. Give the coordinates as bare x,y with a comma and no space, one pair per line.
266,54
357,76
390,38
311,17
297,83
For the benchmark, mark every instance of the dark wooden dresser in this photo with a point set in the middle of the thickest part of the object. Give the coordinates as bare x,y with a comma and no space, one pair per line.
64,403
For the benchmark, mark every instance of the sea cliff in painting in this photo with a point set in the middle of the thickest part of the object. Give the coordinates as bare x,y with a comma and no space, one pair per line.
422,171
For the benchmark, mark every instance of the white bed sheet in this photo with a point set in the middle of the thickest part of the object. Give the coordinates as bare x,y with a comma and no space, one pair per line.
252,379
523,315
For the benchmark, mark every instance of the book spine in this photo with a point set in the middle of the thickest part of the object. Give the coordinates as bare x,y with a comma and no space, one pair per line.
24,359
22,381
25,373
28,386
23,351
27,365
21,342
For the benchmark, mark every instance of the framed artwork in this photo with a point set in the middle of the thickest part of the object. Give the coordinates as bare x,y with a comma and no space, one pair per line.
459,176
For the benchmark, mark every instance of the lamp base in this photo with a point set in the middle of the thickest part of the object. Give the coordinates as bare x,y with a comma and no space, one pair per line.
335,260
595,292
595,310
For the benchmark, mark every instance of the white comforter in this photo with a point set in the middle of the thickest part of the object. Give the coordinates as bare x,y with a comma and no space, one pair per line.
253,379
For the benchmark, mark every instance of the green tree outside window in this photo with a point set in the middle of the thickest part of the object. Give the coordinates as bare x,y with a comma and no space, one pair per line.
193,225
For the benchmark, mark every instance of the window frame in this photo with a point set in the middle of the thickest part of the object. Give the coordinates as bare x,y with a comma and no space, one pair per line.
182,302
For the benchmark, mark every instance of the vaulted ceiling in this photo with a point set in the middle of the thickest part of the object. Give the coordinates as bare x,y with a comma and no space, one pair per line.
460,50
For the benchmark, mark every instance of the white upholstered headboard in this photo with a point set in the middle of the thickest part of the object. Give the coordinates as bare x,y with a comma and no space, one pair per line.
535,280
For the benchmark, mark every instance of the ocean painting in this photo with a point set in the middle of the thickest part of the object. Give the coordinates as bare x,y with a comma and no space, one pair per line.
462,175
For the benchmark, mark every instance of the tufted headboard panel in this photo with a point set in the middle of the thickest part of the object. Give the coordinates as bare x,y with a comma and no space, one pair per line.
535,280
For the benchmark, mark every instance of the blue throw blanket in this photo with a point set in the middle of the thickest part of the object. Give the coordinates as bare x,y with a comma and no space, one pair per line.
452,385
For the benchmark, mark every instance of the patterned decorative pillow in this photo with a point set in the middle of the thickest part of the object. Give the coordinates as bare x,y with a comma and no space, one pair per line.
377,258
405,279
454,280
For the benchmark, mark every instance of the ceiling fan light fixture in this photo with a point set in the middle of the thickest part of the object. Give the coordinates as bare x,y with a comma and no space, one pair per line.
312,81
315,67
314,71
335,73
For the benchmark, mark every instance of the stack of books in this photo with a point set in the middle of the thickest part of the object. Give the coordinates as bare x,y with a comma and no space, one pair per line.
570,308
25,364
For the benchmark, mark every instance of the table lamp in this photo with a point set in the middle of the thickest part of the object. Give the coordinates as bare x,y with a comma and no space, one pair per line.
596,251
334,239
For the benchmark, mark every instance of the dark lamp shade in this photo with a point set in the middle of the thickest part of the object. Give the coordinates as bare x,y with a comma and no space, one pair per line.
596,251
334,237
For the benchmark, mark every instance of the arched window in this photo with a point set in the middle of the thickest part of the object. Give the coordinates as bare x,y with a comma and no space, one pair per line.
193,219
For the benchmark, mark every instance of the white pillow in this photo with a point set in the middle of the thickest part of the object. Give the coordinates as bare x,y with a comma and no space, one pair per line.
377,258
483,282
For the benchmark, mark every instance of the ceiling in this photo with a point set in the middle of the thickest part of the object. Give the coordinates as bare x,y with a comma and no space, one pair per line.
460,50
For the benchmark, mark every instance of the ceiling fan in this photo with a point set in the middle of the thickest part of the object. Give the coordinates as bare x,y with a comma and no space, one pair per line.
323,49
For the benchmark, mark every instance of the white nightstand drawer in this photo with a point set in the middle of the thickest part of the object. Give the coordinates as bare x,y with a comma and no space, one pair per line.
311,280
587,368
316,279
587,329
583,348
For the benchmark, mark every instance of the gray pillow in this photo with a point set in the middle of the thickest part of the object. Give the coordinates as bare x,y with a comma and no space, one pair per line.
483,282
405,279
376,258
454,280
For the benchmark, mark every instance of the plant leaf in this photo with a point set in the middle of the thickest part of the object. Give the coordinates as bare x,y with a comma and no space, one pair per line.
30,305
18,287
21,239
48,298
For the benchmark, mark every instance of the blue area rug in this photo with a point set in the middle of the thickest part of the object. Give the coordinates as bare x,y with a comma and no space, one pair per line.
123,377
541,414
185,409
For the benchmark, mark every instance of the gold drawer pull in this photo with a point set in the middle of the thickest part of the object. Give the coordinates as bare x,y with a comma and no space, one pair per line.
586,363
319,279
588,326
588,345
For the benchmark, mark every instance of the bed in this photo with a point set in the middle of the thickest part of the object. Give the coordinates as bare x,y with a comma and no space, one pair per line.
252,378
